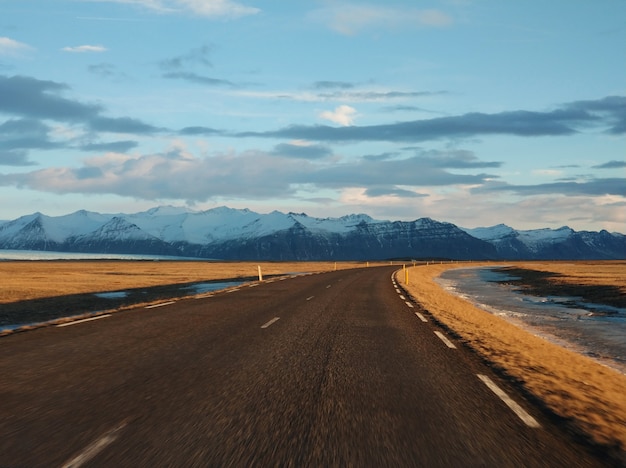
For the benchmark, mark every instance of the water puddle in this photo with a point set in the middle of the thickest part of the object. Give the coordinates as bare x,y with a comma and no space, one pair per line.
595,330
201,288
112,295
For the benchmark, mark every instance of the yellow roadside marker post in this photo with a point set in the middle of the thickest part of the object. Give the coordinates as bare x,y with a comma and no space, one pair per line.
260,274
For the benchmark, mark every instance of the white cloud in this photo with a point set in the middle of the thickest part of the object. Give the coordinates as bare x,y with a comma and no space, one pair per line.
9,46
218,8
207,8
84,48
350,19
342,115
547,172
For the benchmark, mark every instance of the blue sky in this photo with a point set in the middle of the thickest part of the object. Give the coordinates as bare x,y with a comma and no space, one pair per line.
475,112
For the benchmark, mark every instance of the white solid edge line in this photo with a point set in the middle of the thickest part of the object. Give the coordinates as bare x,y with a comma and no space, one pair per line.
75,322
409,304
517,409
447,342
265,325
93,449
421,317
160,305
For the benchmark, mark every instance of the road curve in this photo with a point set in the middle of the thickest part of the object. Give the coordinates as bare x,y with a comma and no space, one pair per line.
333,369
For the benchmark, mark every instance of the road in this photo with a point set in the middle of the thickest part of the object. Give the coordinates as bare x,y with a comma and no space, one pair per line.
332,369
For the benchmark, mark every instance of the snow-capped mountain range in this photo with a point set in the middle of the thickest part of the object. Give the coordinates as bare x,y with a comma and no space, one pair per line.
232,234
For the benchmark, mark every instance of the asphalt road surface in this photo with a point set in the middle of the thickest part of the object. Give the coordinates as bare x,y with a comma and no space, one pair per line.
332,369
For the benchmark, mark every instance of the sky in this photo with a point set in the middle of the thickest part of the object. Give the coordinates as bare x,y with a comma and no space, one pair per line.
474,112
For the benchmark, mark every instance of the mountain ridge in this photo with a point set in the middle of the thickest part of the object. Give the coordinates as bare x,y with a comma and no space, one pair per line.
241,234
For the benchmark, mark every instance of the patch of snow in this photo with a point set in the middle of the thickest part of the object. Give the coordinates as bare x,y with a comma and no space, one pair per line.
537,237
82,222
492,233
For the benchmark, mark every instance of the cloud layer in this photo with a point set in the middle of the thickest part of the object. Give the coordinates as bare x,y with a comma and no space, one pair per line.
608,113
206,8
32,104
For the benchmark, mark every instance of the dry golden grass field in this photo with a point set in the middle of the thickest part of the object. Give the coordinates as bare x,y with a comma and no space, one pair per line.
39,293
590,397
26,280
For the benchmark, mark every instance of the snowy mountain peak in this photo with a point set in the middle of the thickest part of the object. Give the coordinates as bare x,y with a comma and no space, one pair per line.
229,233
167,210
357,218
540,236
491,233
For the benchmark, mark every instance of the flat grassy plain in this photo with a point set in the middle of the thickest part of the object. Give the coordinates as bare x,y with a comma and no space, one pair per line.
27,280
587,396
36,293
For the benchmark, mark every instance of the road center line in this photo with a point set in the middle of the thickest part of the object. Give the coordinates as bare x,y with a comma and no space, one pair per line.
275,319
421,317
409,304
76,322
160,305
309,298
517,409
447,342
95,447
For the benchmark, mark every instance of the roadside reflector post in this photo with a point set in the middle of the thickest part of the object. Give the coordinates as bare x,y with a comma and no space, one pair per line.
406,276
335,266
260,274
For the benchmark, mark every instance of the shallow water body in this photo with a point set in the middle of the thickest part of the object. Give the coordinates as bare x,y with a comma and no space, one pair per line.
594,330
16,321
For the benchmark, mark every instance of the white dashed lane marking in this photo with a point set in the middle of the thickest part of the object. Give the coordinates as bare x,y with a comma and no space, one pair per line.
162,304
267,324
95,447
517,409
421,317
76,322
446,341
309,298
